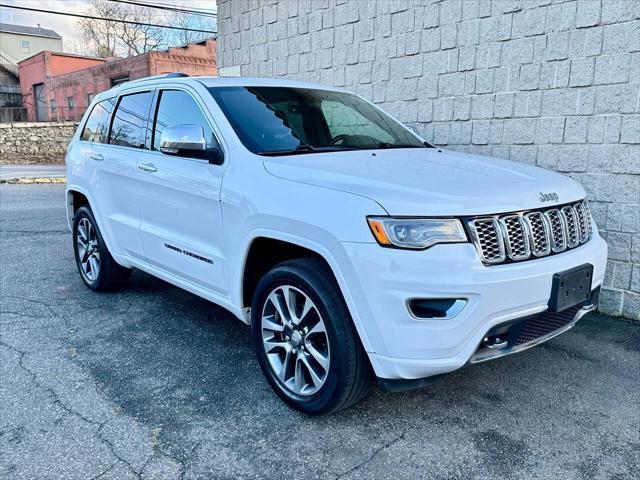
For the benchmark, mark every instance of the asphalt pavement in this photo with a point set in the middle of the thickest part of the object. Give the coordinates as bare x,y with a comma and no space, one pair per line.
11,172
153,382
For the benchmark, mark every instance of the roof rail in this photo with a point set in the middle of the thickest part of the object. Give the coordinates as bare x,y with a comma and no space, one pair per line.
154,77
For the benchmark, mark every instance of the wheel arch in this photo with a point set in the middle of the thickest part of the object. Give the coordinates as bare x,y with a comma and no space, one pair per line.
77,197
297,247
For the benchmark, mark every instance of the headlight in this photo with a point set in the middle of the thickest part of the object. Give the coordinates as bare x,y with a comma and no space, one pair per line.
416,233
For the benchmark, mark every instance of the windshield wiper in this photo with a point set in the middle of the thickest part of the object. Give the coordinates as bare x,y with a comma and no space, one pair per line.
304,148
396,145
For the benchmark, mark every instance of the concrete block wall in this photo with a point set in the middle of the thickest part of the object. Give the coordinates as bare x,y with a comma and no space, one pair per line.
554,83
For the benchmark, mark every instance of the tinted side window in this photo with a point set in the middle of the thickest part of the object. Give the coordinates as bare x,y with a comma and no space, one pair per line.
179,108
129,122
97,126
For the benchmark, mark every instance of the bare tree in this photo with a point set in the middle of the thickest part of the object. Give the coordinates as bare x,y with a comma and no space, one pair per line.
114,38
184,20
101,36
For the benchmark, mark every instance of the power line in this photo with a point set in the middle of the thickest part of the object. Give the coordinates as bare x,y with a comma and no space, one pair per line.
173,4
91,17
161,6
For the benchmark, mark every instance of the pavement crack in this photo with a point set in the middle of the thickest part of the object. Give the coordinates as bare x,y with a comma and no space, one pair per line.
104,472
54,396
112,449
70,411
383,447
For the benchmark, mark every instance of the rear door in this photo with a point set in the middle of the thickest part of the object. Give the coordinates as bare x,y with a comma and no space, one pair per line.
116,182
180,200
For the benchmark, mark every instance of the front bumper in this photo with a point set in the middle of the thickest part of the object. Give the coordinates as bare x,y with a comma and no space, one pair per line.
402,347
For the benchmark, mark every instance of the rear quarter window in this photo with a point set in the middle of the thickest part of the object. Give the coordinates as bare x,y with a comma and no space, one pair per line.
97,125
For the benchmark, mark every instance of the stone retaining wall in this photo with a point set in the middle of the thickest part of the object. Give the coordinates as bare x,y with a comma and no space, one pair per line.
44,142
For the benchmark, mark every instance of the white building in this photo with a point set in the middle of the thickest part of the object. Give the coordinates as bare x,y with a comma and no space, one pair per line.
18,42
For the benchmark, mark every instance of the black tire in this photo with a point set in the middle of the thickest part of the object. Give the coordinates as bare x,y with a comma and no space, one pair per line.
111,276
349,376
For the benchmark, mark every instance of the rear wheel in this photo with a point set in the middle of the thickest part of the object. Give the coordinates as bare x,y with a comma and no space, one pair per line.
305,341
98,270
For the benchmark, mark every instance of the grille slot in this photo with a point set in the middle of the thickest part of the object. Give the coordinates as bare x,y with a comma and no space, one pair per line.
584,227
558,229
489,237
571,221
538,233
516,237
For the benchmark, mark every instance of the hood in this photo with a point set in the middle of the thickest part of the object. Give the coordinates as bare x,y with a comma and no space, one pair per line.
429,181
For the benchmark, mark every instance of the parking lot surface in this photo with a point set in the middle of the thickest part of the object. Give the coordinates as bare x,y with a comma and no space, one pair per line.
153,382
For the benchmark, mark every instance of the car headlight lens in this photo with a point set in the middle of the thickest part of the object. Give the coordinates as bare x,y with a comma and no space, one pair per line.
416,233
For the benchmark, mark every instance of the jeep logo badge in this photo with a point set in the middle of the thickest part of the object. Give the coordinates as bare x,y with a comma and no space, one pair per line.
549,197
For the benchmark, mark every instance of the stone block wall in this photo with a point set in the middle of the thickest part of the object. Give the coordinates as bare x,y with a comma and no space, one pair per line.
43,142
554,83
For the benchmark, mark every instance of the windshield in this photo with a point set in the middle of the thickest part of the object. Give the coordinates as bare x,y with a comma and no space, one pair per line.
282,120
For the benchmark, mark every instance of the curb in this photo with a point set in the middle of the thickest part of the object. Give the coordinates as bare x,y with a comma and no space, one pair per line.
32,180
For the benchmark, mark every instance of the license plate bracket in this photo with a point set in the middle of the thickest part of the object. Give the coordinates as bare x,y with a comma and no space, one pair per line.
571,287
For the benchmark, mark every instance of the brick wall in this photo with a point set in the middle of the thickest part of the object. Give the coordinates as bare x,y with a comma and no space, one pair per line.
43,142
81,77
552,83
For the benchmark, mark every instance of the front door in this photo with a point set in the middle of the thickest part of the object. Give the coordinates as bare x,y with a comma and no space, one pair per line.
181,214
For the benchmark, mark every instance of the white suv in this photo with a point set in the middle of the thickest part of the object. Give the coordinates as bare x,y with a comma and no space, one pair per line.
353,248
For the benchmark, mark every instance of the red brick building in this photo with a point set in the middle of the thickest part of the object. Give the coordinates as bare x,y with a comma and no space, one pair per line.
59,86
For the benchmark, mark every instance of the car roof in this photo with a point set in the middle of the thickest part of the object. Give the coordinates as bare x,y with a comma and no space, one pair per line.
209,81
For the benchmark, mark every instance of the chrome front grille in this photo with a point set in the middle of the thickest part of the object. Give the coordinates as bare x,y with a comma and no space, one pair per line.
537,233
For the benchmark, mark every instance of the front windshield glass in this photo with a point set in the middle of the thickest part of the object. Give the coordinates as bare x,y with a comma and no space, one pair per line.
282,120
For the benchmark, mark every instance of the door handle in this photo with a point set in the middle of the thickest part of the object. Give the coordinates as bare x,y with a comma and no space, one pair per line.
97,157
147,167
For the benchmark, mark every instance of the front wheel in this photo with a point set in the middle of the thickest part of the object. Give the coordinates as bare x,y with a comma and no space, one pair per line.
305,341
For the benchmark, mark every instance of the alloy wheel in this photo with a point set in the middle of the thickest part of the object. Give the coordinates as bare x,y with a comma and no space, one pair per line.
88,250
295,340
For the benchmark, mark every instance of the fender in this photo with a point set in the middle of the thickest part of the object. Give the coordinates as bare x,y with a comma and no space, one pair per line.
96,214
325,252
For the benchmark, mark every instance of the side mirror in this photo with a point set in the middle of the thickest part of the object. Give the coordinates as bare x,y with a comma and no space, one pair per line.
188,141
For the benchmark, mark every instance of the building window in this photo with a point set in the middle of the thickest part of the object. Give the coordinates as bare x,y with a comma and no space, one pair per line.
90,98
25,46
53,105
118,80
71,103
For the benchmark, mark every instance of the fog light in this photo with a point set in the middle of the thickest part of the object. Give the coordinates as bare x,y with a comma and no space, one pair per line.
436,308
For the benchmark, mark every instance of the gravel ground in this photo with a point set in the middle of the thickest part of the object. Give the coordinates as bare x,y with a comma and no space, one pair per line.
153,382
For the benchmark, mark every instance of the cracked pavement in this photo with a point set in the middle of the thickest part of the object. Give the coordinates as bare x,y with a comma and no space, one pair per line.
153,382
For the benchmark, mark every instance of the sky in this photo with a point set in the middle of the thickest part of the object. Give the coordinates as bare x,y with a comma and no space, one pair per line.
66,26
